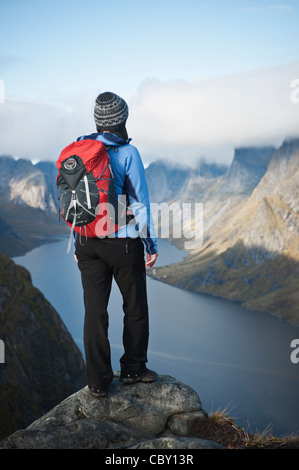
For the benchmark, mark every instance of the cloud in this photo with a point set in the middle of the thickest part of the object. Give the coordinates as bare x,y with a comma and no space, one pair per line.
177,120
39,131
210,117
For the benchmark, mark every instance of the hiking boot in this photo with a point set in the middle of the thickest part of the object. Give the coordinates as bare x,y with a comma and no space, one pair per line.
98,392
146,377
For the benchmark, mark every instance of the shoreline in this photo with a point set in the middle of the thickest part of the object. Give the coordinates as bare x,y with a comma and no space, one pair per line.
218,296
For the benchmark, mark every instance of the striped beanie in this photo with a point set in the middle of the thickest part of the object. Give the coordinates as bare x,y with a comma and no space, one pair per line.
111,113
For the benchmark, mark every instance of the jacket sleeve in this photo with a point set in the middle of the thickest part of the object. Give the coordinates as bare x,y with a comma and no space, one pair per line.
137,190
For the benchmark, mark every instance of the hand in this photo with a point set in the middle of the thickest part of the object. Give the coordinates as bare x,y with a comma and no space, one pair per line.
151,259
75,256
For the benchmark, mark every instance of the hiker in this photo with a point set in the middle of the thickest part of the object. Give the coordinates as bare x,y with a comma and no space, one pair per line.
120,256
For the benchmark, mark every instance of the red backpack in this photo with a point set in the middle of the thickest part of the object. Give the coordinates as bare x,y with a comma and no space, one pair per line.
86,189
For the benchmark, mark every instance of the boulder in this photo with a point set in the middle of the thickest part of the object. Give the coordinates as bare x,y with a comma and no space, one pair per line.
158,415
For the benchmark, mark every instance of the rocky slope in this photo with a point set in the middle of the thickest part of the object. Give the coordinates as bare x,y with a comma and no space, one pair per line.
42,363
28,204
160,415
248,167
250,250
26,184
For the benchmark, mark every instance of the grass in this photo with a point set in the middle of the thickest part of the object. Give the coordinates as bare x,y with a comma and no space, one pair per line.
220,427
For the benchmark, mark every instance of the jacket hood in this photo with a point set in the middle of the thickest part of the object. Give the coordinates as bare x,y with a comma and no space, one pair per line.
107,138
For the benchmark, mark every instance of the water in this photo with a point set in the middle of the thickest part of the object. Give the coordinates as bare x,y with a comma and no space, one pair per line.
234,358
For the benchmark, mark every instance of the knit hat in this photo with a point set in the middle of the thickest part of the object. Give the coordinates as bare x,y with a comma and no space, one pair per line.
111,113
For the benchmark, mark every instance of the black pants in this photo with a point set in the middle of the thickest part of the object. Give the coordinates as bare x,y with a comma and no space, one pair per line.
100,260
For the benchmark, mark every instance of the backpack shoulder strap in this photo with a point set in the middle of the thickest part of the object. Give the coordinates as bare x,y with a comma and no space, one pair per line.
108,147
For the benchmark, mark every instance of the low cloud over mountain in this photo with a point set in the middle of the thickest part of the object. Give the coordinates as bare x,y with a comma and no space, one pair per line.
174,120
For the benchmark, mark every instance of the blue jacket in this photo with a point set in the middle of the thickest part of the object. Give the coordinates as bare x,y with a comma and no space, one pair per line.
129,180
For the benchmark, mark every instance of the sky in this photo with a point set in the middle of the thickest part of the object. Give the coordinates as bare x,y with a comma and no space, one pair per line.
201,77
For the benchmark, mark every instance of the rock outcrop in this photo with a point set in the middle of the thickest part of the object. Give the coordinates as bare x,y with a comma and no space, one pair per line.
42,362
248,167
160,415
26,184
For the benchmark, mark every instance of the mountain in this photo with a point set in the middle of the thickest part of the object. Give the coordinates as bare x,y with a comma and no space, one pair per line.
28,204
169,181
248,167
175,184
219,188
42,363
209,170
250,249
26,184
166,181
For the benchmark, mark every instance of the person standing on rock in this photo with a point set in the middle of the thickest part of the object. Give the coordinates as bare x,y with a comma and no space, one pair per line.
120,257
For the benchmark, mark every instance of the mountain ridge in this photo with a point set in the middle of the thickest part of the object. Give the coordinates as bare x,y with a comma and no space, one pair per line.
250,251
250,213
